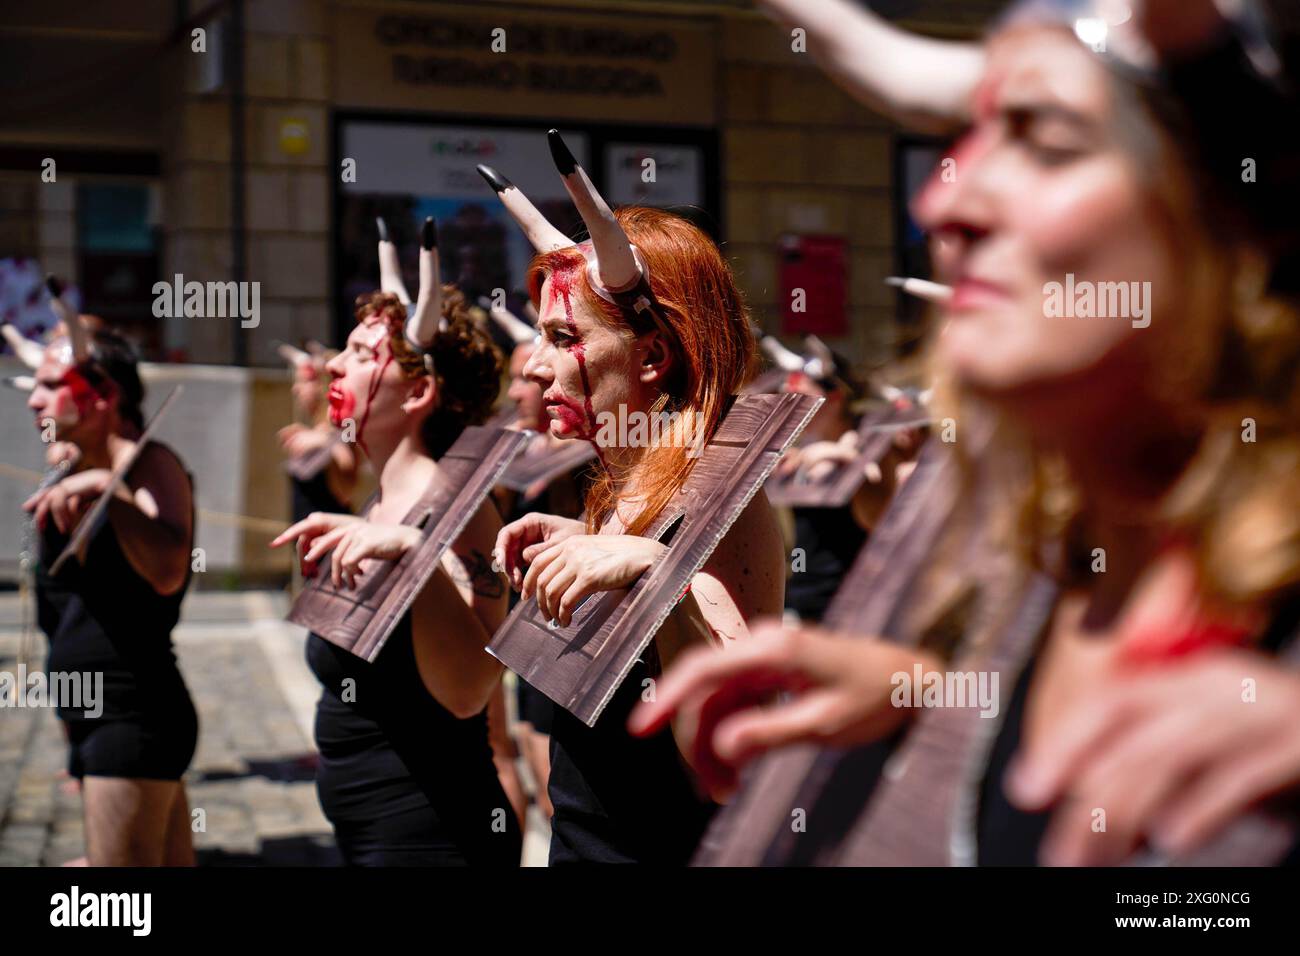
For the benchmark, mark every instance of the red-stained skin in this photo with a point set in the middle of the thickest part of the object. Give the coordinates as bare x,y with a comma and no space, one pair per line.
66,404
581,419
343,402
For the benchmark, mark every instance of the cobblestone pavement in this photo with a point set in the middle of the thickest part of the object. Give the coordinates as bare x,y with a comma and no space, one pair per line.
252,773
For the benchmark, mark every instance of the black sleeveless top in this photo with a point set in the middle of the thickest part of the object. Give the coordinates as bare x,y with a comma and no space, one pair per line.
1009,836
830,539
619,798
1005,834
387,747
104,617
314,494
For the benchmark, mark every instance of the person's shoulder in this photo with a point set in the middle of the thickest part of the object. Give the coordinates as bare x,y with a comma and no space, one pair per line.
157,461
754,532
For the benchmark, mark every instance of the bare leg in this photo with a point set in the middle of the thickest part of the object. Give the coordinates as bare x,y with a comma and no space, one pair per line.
179,847
126,820
537,751
504,753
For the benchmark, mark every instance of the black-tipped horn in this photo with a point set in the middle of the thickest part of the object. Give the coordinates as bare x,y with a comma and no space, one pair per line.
543,236
390,267
617,267
494,179
560,153
426,321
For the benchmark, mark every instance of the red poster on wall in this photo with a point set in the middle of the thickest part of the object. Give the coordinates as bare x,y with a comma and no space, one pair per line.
814,285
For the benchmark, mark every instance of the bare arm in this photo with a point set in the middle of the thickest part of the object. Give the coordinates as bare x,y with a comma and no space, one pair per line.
921,83
743,579
152,516
456,615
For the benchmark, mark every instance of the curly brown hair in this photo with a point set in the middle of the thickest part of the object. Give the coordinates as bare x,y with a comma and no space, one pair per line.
466,364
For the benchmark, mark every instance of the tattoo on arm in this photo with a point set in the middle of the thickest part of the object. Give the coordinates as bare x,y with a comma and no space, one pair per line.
473,569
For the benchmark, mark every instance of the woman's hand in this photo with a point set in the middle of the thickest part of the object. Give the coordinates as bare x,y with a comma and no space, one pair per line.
68,500
821,458
1171,754
565,573
353,541
298,439
519,542
840,691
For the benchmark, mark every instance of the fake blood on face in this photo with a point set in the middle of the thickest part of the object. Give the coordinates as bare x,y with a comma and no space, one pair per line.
72,400
584,425
342,404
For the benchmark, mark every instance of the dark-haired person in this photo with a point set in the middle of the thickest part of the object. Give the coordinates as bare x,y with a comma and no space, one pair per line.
331,487
112,612
1144,521
687,350
826,540
406,772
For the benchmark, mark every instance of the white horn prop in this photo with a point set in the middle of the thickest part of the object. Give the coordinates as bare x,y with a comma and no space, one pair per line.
294,356
822,363
426,322
23,383
781,356
390,267
29,353
543,236
617,267
520,332
71,322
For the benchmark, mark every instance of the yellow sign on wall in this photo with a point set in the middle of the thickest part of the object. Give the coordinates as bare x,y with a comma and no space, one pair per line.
295,136
526,63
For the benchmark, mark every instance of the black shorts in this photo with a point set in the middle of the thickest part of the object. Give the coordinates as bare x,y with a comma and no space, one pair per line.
534,707
413,837
133,749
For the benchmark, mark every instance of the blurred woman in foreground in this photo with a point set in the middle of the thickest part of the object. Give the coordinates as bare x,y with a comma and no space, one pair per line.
1157,445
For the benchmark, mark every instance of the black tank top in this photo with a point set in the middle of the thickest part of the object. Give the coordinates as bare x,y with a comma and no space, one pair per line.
103,617
830,539
387,746
619,798
314,494
1009,836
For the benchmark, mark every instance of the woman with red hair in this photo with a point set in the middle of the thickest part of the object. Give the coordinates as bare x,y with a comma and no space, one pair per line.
642,319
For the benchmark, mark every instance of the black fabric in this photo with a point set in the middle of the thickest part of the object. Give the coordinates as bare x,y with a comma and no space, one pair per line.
562,497
618,798
535,708
1008,836
830,540
400,777
101,617
314,494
